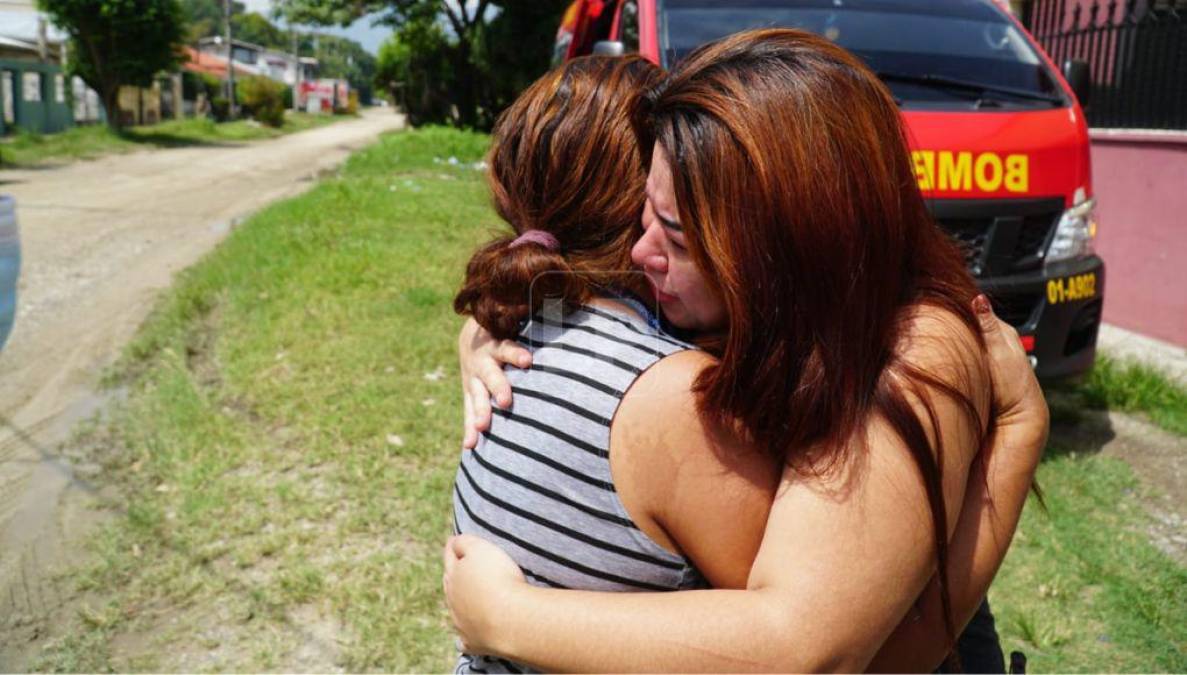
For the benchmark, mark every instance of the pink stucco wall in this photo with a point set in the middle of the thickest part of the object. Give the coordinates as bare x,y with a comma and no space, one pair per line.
1141,190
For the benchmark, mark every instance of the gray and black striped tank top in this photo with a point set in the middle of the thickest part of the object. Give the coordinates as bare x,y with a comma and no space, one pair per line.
539,482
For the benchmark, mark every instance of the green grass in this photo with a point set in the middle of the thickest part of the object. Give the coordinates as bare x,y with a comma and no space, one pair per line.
255,447
1129,386
88,142
286,450
1082,589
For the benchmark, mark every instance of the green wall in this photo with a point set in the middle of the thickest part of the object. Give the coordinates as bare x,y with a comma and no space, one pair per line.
46,115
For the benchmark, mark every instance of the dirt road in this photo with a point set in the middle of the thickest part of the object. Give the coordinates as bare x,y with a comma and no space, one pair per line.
100,240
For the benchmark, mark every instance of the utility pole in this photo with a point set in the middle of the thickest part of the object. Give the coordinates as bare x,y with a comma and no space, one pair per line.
42,40
299,71
232,106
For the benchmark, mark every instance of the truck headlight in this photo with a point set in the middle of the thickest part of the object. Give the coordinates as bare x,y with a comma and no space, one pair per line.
1076,233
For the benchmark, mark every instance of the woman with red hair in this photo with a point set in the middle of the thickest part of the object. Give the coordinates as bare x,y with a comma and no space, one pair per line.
783,225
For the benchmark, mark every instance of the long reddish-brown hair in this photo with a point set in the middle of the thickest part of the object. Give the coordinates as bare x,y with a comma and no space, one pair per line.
564,159
797,196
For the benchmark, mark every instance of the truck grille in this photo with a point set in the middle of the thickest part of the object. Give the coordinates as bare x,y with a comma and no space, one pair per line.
1016,309
999,237
972,235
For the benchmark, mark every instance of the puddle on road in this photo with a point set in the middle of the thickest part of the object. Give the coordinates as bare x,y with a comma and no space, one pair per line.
51,474
47,507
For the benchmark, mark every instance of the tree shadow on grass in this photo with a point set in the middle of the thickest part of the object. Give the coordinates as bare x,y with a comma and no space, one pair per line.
167,140
1076,426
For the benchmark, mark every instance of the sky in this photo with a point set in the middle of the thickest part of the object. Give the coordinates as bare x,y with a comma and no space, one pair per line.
360,31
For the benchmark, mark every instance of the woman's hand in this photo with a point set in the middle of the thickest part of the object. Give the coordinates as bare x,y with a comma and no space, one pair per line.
1021,409
482,358
479,578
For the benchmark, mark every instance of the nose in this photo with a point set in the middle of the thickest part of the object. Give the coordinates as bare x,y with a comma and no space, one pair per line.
648,253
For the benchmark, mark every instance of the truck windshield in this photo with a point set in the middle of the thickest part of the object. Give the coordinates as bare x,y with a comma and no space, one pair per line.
920,46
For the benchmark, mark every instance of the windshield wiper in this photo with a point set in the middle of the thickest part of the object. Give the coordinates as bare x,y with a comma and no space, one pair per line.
980,88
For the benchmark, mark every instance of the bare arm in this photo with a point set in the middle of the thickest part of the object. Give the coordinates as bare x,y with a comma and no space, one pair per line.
572,630
830,581
842,560
997,491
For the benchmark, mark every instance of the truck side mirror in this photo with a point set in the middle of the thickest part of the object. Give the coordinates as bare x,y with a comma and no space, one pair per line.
608,48
1079,78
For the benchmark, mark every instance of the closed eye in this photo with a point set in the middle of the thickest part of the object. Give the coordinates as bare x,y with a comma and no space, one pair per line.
674,235
672,230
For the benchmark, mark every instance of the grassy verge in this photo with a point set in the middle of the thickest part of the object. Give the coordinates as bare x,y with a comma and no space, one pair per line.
1131,387
1082,589
88,142
290,435
289,438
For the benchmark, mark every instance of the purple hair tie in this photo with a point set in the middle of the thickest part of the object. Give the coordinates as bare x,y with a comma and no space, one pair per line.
540,237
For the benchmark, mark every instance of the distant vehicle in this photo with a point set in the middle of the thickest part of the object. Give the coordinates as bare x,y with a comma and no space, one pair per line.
998,136
10,265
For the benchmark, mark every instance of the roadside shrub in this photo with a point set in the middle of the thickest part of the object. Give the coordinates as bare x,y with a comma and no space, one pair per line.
221,107
262,99
213,85
191,85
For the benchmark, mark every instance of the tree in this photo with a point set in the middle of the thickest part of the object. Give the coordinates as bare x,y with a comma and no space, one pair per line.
119,42
255,28
517,49
413,67
204,18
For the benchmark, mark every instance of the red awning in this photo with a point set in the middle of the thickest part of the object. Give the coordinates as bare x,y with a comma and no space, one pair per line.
202,62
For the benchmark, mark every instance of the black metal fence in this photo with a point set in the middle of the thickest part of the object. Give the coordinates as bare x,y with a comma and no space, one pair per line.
1137,52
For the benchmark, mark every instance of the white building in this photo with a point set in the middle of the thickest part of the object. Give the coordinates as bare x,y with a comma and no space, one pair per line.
277,65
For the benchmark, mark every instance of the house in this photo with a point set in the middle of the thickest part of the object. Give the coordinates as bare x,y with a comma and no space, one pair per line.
207,63
33,88
297,73
254,59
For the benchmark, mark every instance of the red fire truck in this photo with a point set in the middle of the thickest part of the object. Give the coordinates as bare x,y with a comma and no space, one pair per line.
998,136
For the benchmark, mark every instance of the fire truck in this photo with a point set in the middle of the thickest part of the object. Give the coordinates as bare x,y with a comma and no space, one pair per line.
997,133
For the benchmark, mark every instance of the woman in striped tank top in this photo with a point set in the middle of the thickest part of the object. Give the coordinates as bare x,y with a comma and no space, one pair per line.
781,221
